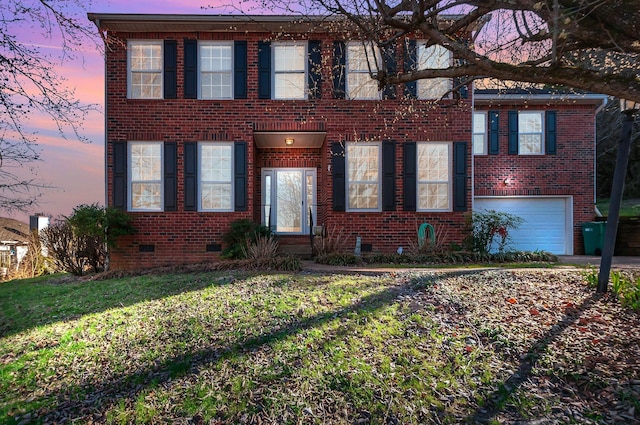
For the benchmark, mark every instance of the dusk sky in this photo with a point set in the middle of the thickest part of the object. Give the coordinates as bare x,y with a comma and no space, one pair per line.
73,168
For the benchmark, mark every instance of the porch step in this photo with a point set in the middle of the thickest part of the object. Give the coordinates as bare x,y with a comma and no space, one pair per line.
300,251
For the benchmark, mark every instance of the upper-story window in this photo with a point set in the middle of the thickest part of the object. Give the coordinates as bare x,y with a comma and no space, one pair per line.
289,70
145,171
530,133
480,133
362,61
433,57
434,176
216,70
363,176
145,69
216,176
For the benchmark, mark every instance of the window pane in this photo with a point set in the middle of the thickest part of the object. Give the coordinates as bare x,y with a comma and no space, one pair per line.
479,123
215,163
433,88
146,161
531,144
363,195
289,201
146,57
362,86
433,161
146,85
289,57
146,196
530,122
433,196
289,86
215,58
216,86
363,162
479,144
433,57
361,58
216,196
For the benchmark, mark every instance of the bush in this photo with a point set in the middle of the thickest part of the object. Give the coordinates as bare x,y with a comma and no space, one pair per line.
242,232
80,242
330,242
626,290
338,259
263,248
490,228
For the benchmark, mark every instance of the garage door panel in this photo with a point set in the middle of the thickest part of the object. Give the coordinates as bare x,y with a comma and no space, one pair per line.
545,223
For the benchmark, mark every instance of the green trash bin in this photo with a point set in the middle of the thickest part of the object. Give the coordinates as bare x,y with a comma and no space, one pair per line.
593,233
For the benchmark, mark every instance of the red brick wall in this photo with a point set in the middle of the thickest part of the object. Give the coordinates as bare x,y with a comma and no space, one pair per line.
569,172
181,237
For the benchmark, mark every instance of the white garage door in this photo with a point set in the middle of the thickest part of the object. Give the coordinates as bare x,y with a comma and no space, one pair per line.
547,222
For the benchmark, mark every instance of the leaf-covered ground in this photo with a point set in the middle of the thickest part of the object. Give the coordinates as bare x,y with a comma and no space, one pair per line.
533,346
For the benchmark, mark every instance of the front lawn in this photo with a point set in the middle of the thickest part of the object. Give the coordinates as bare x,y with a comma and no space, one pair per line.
315,348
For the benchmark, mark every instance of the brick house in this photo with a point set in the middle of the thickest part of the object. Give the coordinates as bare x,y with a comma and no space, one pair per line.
210,119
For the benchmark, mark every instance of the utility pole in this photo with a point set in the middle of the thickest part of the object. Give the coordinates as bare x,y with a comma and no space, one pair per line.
622,160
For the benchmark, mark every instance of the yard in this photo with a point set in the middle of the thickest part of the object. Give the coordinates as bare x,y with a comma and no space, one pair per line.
489,346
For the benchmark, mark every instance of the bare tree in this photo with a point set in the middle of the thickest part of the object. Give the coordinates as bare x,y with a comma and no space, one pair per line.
590,45
30,86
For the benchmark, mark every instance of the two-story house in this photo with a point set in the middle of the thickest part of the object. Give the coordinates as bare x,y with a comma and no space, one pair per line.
210,119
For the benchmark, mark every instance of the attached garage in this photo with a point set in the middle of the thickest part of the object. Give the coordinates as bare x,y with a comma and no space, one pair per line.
547,223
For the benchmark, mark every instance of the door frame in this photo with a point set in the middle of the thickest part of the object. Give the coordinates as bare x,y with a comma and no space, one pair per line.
269,202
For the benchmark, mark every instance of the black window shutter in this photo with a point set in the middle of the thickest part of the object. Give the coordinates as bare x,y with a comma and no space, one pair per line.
339,69
240,176
460,176
550,132
170,177
388,176
170,76
389,91
513,132
240,69
315,69
410,61
264,70
190,176
190,69
461,87
410,163
120,175
494,132
339,176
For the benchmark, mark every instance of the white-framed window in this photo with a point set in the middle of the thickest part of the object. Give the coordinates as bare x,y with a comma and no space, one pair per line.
480,133
145,176
289,70
434,176
144,63
530,132
215,64
215,171
363,163
362,61
433,57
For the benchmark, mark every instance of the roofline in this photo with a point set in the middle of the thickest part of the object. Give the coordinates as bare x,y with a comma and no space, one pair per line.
142,22
597,100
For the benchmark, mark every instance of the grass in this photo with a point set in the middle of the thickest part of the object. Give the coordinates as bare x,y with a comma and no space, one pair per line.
629,207
256,348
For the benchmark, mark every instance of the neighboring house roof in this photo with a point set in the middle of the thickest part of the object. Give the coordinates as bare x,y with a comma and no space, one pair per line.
535,96
13,232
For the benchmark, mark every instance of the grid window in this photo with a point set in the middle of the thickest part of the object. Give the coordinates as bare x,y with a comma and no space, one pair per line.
216,70
289,70
145,69
146,176
216,174
530,133
363,176
433,57
362,61
479,133
434,176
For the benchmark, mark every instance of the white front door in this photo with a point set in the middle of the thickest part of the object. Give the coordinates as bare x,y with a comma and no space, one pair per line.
289,201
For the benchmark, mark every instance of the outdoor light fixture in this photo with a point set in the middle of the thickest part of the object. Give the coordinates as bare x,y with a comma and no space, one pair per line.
289,141
506,181
629,109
